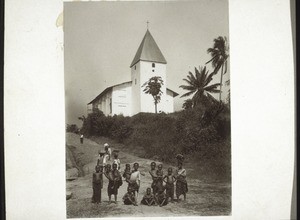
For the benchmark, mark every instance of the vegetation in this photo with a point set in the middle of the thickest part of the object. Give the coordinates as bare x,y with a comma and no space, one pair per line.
153,87
219,54
202,128
198,86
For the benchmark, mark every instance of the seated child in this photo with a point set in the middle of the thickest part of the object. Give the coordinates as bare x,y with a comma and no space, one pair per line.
161,197
170,180
148,198
97,184
129,198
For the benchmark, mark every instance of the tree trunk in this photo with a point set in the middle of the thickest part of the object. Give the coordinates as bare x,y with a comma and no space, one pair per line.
155,103
221,82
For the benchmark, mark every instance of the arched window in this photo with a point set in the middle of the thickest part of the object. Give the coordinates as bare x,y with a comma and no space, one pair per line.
153,65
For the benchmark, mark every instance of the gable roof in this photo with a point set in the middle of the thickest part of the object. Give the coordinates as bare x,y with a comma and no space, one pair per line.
148,51
111,87
105,91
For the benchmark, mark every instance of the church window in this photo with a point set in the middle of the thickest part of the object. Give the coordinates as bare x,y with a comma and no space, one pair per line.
152,70
153,65
135,67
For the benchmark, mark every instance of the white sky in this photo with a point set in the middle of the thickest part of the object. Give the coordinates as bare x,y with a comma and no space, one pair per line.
101,39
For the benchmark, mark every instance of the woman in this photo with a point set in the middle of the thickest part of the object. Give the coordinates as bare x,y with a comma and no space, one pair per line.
181,183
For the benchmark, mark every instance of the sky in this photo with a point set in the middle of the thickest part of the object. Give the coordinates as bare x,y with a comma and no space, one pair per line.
101,39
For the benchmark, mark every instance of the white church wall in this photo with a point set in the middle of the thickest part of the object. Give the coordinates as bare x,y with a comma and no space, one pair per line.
121,99
146,72
135,89
169,102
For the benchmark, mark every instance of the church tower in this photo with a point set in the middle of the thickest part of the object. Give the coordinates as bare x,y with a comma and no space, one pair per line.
148,62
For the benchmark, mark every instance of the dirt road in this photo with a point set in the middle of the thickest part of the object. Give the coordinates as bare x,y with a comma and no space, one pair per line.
203,199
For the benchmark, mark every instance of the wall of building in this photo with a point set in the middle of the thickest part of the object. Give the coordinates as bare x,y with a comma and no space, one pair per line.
135,89
169,102
146,72
121,99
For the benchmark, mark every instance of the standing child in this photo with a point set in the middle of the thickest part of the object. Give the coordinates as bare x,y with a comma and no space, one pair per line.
81,138
116,159
110,188
97,184
148,198
154,177
159,176
107,150
135,180
117,181
181,183
170,180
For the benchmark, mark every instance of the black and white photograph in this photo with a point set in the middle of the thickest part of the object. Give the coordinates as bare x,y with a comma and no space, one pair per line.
147,94
138,109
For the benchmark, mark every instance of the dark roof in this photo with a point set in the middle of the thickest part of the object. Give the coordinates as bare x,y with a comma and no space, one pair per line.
106,90
175,93
110,88
148,51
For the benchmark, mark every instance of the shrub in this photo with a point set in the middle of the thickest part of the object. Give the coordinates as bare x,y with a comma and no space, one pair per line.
72,128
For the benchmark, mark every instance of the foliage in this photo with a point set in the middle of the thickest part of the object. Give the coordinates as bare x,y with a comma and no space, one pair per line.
198,85
219,53
72,128
188,104
153,87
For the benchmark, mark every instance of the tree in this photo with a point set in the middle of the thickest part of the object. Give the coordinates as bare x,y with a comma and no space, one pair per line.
188,104
219,54
198,85
153,87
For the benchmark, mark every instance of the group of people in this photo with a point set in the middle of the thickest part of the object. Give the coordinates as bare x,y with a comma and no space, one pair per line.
162,188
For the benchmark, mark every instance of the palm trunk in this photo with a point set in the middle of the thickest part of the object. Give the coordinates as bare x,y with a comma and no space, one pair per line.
155,108
221,82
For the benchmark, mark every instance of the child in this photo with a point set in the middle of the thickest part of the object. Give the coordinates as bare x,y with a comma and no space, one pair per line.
181,183
161,197
135,180
107,150
117,160
109,175
81,139
159,176
129,198
154,177
170,180
117,181
97,184
148,198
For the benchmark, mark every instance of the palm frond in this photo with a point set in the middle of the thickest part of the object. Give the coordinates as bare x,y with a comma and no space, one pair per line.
187,94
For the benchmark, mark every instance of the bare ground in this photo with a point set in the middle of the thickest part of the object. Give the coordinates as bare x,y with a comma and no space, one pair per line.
203,199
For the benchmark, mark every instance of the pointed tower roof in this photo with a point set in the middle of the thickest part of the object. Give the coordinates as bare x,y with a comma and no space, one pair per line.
148,51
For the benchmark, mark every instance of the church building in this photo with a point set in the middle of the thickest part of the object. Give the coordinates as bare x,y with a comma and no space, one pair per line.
128,98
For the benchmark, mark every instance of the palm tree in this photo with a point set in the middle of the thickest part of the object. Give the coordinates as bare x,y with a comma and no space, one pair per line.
219,54
198,85
153,87
188,104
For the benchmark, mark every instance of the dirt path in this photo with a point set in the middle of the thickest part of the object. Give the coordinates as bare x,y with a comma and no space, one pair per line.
202,199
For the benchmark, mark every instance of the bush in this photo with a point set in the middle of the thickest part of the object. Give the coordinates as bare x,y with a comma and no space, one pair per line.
164,135
72,128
